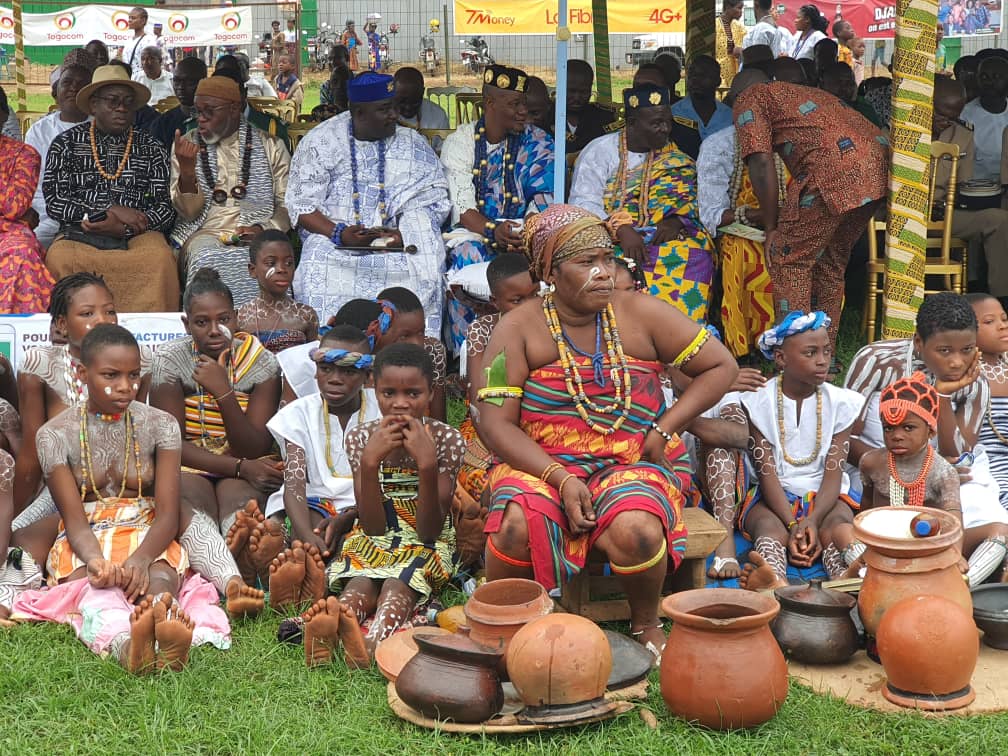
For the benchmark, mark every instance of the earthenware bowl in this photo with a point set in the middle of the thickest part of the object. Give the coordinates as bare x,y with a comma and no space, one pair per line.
815,625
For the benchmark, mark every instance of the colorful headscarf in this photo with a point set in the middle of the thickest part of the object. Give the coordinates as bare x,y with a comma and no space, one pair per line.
342,358
794,323
380,325
912,394
560,232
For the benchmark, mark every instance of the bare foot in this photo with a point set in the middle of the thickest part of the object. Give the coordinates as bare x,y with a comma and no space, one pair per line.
725,565
173,630
266,541
286,574
321,631
238,537
758,575
242,600
141,650
314,586
354,651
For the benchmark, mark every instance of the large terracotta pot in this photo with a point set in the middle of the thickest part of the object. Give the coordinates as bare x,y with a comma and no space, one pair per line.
559,660
929,647
499,609
814,625
451,678
901,566
721,666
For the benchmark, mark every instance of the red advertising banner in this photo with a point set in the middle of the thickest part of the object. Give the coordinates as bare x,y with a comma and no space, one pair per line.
876,19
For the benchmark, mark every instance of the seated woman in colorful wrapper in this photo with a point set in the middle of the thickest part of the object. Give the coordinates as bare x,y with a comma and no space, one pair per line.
115,571
992,341
401,550
222,388
908,472
48,384
802,510
273,316
317,498
572,404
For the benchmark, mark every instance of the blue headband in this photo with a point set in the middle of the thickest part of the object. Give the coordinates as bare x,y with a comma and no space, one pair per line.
794,323
342,358
380,325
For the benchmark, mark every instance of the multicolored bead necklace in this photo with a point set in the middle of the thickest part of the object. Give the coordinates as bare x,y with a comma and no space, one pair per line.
513,198
617,198
355,194
202,397
619,370
87,465
911,493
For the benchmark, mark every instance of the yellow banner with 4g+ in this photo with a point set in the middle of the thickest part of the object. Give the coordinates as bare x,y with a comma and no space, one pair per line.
482,17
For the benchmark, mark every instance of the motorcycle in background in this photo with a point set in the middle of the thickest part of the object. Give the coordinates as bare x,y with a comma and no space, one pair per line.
428,47
475,55
320,53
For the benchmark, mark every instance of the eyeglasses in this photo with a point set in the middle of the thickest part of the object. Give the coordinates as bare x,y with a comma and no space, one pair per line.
117,103
207,113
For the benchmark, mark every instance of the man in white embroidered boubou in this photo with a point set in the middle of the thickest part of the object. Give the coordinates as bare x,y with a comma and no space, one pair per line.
369,197
222,203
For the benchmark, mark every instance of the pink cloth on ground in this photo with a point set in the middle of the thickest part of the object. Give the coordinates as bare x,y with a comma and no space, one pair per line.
100,615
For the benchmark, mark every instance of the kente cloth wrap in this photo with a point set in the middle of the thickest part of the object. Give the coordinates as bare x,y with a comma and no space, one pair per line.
801,506
120,525
911,394
476,463
609,465
400,553
25,282
794,322
679,271
281,338
747,307
558,233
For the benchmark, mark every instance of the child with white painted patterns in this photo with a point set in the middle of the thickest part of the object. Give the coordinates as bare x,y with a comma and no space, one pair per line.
405,465
799,429
909,472
317,497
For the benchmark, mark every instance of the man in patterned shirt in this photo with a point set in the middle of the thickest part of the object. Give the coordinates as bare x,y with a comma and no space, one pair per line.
838,163
106,184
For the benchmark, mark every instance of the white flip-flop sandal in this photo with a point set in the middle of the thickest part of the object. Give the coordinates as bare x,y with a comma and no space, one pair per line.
720,563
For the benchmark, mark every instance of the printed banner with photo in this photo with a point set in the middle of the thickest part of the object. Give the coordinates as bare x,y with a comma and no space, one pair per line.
482,18
79,24
876,19
18,332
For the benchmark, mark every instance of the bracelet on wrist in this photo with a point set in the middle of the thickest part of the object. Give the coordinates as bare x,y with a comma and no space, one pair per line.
663,433
549,470
563,483
791,525
238,465
336,237
225,395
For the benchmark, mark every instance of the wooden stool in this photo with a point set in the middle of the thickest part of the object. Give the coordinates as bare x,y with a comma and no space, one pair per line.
704,533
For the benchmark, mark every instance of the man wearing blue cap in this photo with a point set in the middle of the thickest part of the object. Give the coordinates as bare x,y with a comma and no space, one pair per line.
646,184
499,170
369,197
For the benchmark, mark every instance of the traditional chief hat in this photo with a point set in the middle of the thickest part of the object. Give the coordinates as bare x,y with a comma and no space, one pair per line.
645,96
370,87
505,77
221,87
107,76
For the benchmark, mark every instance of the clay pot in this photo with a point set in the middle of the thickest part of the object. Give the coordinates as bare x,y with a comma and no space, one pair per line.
901,565
451,678
721,666
814,625
929,647
559,660
499,609
990,613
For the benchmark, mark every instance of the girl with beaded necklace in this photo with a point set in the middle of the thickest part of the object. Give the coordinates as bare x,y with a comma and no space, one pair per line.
222,388
909,472
992,341
799,430
318,482
112,464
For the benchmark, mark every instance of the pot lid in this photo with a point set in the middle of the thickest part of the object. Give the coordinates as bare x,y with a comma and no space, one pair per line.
814,595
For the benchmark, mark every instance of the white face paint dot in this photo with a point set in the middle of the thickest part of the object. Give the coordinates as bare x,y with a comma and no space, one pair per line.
270,273
108,391
136,386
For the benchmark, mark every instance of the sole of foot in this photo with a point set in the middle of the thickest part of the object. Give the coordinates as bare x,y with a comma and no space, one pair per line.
173,631
314,586
321,631
355,652
242,600
237,539
286,575
758,575
141,655
265,542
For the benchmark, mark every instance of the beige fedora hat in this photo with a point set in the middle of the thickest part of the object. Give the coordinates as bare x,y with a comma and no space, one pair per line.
105,76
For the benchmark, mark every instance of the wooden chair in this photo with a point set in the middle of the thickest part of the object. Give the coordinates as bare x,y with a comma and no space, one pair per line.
166,104
435,137
468,107
940,243
262,103
444,97
600,597
26,118
296,131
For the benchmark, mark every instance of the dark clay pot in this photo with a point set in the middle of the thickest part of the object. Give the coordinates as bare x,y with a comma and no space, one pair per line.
814,625
452,678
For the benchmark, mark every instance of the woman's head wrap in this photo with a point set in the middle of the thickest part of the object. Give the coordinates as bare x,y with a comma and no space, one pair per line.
911,394
560,232
794,323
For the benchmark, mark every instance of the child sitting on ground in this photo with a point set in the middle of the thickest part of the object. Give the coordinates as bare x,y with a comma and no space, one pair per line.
273,316
404,466
908,472
113,468
318,481
798,448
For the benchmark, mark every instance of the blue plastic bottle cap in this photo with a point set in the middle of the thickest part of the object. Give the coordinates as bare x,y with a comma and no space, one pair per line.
923,528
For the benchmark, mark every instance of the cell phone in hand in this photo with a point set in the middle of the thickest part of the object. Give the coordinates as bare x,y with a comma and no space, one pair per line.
96,217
